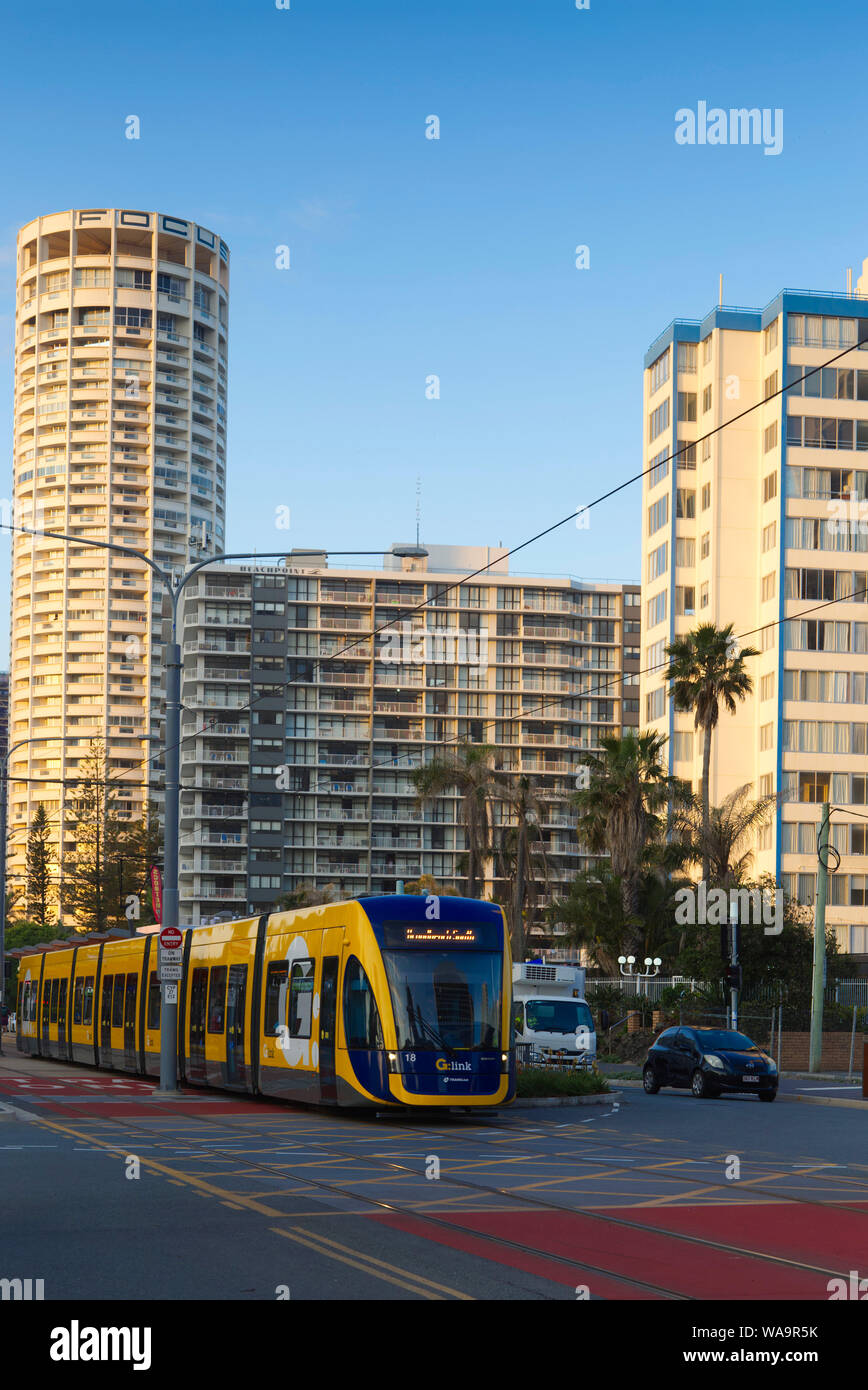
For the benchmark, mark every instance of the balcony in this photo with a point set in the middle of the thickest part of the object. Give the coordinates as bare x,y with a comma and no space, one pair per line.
346,624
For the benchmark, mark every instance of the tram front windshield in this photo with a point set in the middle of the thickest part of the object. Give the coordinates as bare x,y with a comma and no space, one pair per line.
445,1000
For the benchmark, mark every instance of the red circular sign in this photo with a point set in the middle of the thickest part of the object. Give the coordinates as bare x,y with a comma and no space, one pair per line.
171,938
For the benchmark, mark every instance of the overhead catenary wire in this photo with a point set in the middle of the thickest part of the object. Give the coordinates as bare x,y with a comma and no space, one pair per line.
468,578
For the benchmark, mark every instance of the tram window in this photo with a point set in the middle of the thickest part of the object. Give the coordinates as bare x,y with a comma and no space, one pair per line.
46,1002
301,998
77,998
153,1001
55,990
118,1002
24,1001
518,1016
61,1002
105,1013
275,979
217,999
361,1016
87,1011
132,991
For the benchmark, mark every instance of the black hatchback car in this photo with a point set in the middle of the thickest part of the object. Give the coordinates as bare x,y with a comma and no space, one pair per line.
709,1061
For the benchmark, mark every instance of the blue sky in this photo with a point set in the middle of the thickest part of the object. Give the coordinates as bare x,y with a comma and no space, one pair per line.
412,257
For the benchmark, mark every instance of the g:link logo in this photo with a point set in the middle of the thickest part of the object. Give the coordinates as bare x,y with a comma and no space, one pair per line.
442,1065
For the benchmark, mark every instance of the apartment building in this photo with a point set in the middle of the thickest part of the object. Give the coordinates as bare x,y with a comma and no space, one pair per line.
120,436
758,524
303,722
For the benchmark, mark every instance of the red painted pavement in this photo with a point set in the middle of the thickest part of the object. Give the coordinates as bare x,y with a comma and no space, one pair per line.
821,1236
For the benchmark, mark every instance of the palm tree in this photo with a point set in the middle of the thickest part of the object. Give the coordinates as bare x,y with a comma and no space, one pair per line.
620,810
523,853
705,669
730,824
468,770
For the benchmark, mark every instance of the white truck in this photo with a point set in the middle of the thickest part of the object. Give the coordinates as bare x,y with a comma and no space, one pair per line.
550,1013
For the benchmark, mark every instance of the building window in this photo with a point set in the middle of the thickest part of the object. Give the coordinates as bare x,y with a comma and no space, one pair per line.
770,336
706,496
658,469
658,515
706,350
770,386
686,406
685,551
685,600
687,357
659,371
766,736
706,400
770,486
658,561
770,437
685,503
706,449
656,654
655,703
659,420
769,538
767,686
703,595
768,587
705,545
682,747
656,609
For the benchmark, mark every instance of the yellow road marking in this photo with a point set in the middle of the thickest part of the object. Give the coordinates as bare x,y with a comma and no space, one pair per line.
241,1203
384,1264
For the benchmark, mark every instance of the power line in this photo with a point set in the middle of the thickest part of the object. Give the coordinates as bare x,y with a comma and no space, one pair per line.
466,579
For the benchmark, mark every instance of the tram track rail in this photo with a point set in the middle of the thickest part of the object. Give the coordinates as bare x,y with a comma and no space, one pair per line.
209,1148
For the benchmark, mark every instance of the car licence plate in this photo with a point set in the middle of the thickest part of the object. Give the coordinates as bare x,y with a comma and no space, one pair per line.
750,1078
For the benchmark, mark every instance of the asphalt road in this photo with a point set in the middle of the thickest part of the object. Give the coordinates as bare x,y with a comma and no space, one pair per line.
121,1196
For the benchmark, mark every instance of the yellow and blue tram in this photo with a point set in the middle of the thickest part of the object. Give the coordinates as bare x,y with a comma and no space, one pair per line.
378,1001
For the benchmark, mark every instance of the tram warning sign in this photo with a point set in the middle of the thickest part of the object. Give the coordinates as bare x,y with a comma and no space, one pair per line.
170,938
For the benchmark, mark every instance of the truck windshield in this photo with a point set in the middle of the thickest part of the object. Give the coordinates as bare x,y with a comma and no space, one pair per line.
557,1016
445,999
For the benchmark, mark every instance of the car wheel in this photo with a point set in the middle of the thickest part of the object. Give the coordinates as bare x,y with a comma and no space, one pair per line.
767,1095
699,1085
650,1082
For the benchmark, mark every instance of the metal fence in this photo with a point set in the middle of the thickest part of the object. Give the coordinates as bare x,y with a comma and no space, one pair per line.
847,992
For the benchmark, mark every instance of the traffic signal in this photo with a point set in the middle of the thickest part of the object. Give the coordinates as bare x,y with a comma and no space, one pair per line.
733,977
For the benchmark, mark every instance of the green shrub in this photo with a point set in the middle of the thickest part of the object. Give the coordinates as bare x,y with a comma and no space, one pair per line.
540,1081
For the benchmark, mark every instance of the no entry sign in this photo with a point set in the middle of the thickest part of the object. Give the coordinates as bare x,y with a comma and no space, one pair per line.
170,938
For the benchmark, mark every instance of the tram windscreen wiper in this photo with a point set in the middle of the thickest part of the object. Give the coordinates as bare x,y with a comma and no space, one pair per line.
436,1037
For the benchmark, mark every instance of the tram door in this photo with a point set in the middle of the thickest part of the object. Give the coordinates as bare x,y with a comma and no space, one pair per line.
235,1001
105,1022
130,1060
61,1019
198,1004
327,1024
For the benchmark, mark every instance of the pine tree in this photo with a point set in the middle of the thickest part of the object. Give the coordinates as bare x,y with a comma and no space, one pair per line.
93,874
40,862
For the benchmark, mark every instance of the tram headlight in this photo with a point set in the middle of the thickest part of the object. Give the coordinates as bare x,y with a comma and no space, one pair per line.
393,1061
504,1062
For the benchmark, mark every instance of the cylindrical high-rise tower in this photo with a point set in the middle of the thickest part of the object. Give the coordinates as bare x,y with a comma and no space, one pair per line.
120,435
